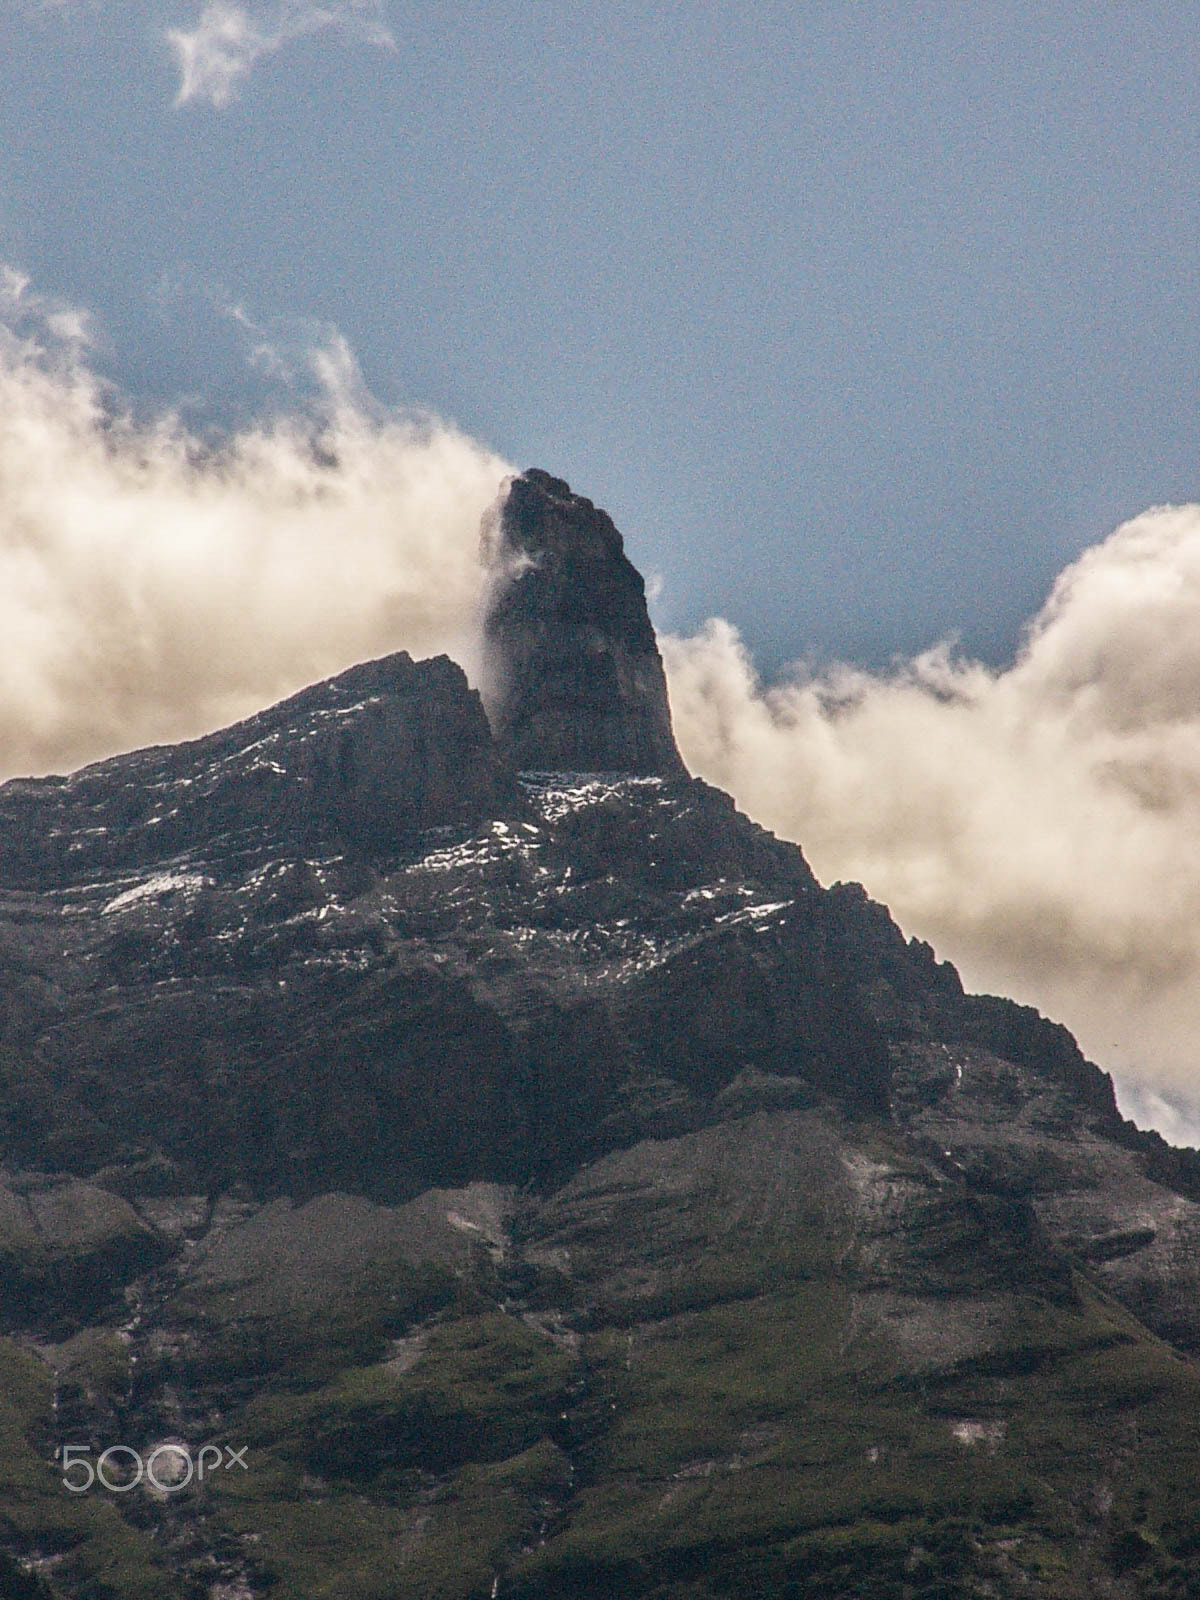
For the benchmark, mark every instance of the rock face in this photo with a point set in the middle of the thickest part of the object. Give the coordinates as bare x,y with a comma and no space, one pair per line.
363,762
576,679
552,1188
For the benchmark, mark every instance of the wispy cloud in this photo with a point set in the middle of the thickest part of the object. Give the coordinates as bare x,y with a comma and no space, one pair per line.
24,310
291,356
217,55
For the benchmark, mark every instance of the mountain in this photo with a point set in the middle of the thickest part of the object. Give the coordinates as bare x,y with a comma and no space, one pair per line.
549,1186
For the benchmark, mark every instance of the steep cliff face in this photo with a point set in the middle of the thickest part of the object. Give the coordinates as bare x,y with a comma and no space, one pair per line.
576,680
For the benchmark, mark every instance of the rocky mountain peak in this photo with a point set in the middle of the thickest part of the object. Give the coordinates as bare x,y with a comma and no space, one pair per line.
576,682
360,762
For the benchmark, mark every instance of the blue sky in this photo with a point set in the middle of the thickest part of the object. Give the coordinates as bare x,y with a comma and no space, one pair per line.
861,319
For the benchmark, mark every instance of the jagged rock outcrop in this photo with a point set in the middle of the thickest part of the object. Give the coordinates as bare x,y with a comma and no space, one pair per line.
363,762
575,679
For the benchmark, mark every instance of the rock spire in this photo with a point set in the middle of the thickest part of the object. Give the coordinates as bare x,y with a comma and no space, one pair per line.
576,682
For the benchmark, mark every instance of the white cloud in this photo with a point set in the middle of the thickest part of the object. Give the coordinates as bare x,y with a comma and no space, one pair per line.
291,353
1039,825
153,585
217,55
22,308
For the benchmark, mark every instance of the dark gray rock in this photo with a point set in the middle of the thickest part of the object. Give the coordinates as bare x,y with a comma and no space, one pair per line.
285,1254
576,682
361,763
66,1248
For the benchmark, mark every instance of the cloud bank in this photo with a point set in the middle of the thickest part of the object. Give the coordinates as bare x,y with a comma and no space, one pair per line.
1039,825
153,585
217,55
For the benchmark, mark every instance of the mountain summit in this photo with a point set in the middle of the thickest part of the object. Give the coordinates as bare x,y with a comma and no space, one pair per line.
576,680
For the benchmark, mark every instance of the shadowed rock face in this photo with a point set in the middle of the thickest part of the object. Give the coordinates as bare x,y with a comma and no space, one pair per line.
577,680
361,763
